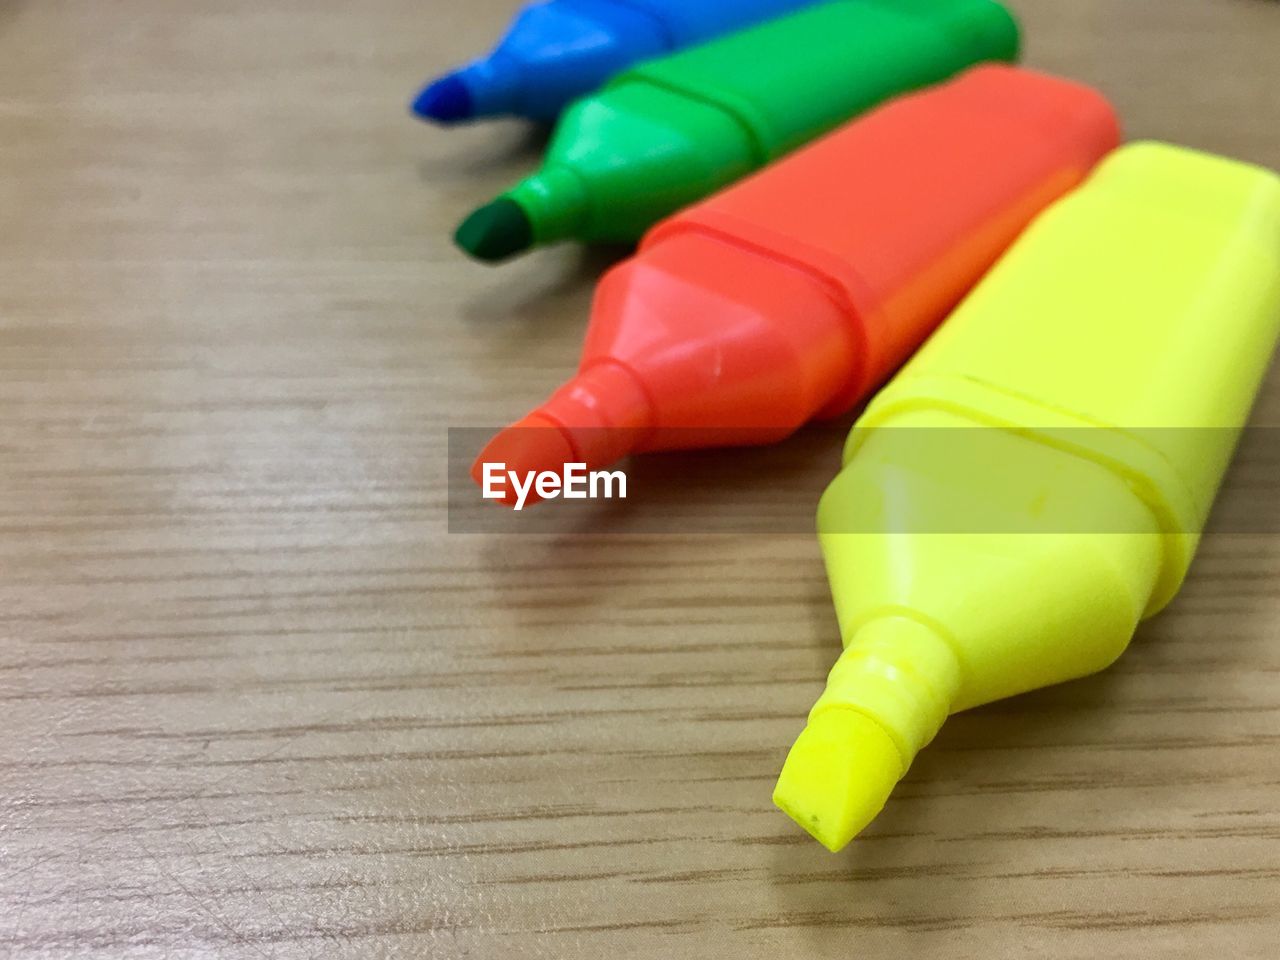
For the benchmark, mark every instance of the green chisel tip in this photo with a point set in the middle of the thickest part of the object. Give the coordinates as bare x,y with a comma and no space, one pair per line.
496,231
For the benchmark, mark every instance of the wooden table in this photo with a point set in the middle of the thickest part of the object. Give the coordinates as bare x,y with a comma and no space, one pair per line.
259,703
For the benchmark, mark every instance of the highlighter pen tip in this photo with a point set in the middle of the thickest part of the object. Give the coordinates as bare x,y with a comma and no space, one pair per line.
446,101
496,231
838,776
530,446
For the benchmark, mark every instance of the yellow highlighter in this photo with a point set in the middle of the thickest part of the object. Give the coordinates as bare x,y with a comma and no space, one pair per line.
1034,483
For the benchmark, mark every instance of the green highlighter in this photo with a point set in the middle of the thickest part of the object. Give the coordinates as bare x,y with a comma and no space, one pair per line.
675,130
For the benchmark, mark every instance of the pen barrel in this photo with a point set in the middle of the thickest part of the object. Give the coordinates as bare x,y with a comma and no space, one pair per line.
898,214
674,130
1034,482
1130,326
793,78
689,23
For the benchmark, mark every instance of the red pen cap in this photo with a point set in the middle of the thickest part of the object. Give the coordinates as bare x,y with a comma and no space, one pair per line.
795,293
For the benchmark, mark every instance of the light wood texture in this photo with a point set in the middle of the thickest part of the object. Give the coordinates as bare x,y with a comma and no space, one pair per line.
258,703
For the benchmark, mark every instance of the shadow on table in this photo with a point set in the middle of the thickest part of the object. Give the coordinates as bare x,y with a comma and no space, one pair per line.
9,10
563,300
510,148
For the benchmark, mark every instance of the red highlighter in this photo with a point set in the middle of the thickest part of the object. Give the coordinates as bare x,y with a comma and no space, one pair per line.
794,294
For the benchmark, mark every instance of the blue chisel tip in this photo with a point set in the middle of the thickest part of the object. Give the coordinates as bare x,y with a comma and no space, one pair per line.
445,101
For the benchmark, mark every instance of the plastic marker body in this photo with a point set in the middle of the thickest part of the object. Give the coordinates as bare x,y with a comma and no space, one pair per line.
672,131
557,51
1108,362
794,294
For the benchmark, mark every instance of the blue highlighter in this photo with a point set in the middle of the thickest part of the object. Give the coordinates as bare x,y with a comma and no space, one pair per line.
559,50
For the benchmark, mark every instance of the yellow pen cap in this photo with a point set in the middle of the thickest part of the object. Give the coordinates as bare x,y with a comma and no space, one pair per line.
1034,482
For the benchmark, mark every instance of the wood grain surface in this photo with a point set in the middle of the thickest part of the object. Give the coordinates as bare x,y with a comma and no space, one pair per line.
258,703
